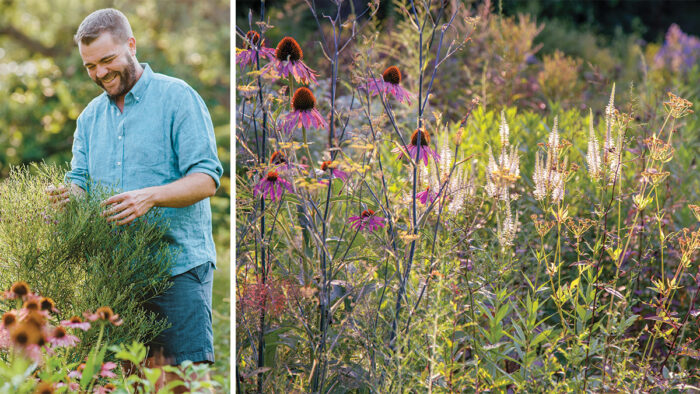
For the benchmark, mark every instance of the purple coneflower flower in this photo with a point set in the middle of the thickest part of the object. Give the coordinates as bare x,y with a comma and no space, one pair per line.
425,149
278,160
303,112
106,370
332,168
389,83
288,60
76,322
366,220
248,54
272,185
60,337
426,196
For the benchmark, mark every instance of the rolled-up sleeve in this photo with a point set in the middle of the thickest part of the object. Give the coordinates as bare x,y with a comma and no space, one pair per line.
78,173
193,138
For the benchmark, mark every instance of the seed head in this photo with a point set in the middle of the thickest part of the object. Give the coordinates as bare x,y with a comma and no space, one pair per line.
251,37
25,334
31,305
104,313
423,135
8,319
278,158
288,48
328,164
20,289
272,176
367,213
59,332
392,75
76,319
47,304
303,100
44,388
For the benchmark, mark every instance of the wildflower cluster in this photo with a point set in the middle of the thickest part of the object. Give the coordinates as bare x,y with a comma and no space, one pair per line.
33,329
610,161
458,185
679,52
502,174
550,175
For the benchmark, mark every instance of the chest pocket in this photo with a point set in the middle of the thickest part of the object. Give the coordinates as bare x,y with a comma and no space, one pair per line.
146,140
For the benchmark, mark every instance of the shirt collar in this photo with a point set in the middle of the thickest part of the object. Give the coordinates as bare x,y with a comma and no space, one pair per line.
139,88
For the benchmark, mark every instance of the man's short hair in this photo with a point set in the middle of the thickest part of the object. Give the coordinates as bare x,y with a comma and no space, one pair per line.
100,21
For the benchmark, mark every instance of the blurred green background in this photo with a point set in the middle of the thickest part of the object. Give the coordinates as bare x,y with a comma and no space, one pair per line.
44,87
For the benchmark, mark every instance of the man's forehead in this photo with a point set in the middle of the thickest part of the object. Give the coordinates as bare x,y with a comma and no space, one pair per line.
105,42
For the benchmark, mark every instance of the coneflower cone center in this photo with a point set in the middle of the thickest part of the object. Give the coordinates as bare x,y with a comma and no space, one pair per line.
22,338
272,176
8,319
289,49
46,305
252,37
423,135
20,289
59,332
326,165
303,100
277,158
366,213
392,75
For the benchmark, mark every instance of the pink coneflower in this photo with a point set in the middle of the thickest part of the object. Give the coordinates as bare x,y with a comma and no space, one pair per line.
389,83
272,186
78,373
366,220
8,319
304,112
60,337
48,305
426,195
107,388
104,313
76,322
280,163
248,54
425,149
106,370
288,60
18,290
331,168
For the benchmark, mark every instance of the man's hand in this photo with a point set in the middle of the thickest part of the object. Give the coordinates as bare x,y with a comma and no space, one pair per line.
59,196
126,207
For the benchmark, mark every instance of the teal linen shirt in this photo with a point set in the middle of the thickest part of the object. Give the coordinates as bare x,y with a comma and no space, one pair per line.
164,134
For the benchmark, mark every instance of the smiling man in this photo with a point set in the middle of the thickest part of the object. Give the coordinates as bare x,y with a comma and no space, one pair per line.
150,136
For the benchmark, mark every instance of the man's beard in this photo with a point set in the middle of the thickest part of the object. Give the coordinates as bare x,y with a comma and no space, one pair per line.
127,79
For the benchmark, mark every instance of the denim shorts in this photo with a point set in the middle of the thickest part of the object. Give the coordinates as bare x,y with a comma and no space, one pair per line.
187,307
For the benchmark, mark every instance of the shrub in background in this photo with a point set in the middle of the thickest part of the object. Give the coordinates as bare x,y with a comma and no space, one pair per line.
73,255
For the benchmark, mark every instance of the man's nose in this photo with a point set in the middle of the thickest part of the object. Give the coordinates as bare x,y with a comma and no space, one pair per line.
101,72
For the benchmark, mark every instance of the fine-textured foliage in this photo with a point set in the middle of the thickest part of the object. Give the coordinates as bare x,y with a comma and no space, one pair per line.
73,255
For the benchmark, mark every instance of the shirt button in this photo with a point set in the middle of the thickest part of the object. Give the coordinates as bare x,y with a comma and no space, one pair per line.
120,137
119,163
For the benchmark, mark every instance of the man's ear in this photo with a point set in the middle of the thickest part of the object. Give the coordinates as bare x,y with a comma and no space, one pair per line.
131,42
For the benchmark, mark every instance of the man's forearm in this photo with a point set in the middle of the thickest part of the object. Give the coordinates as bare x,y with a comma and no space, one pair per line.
184,192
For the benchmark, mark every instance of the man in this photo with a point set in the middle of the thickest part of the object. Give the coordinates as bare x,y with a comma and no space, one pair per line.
151,136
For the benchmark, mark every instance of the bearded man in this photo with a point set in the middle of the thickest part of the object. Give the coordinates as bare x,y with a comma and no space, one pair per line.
151,137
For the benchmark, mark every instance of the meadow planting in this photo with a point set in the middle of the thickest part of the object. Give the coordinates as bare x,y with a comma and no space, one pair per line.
429,204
